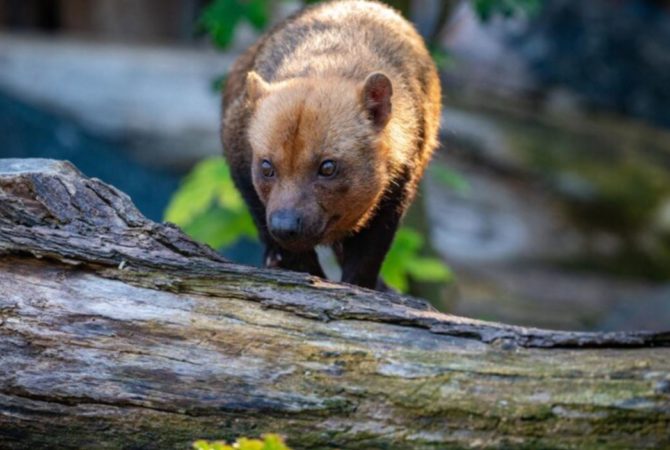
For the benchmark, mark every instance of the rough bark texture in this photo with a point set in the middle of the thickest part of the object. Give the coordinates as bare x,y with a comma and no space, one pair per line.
119,332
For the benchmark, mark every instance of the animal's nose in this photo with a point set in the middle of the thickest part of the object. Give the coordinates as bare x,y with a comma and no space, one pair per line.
285,224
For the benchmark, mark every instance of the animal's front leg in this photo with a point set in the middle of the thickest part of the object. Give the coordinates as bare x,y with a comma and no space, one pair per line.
362,254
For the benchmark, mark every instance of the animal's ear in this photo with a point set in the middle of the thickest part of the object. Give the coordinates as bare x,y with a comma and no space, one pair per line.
377,92
257,87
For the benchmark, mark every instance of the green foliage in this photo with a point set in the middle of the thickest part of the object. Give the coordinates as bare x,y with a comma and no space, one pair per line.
404,261
507,8
269,442
209,208
221,17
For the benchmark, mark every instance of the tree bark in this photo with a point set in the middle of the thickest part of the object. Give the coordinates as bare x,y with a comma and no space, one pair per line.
117,332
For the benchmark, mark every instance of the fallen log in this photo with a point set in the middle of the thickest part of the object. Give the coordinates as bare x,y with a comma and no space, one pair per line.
117,332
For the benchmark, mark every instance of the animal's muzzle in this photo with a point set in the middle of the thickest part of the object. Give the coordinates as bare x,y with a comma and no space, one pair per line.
286,225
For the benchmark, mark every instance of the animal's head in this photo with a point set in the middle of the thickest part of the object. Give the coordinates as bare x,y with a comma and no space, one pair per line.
319,156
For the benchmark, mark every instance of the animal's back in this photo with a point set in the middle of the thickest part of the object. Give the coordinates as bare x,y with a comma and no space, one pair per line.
346,38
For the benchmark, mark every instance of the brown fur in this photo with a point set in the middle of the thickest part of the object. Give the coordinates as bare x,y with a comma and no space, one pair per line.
299,97
303,123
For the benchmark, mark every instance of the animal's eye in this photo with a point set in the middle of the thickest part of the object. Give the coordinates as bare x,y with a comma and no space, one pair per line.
266,169
327,168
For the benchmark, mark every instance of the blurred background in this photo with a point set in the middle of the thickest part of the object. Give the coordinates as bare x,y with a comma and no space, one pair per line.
547,205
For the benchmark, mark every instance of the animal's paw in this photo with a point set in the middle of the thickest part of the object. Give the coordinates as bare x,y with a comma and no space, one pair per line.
273,259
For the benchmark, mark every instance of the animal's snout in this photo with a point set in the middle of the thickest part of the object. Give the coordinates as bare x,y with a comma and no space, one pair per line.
286,225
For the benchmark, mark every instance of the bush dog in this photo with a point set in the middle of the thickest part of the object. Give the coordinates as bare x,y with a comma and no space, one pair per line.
329,122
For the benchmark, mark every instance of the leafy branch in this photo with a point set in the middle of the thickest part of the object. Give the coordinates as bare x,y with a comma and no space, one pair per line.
269,442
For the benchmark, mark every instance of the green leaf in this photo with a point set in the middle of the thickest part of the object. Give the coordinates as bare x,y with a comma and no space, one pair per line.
201,445
394,270
214,445
429,269
404,261
197,192
258,13
221,18
274,442
249,444
220,445
269,442
394,275
407,241
220,228
209,208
